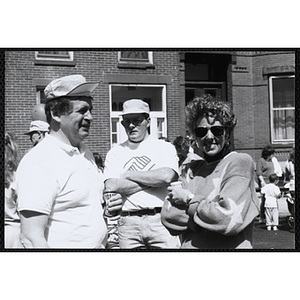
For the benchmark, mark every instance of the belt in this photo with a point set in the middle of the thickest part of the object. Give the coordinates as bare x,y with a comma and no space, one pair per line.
142,212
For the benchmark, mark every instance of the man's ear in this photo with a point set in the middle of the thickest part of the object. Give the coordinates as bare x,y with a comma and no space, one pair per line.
149,120
54,117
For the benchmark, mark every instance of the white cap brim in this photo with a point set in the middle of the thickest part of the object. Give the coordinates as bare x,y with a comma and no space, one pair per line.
135,112
83,89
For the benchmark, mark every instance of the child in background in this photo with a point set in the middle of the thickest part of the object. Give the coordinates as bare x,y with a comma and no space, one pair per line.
272,193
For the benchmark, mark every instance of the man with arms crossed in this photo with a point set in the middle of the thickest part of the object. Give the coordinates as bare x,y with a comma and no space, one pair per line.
60,187
141,169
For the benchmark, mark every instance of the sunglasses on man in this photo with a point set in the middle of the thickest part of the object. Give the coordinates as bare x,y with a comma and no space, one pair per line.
202,131
135,122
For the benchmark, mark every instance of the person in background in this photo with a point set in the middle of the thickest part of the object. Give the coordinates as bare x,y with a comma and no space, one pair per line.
289,178
140,169
289,168
216,205
59,184
11,219
272,193
182,146
266,166
38,125
37,131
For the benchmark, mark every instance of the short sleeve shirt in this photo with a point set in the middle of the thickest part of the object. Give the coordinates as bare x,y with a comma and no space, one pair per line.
64,183
150,154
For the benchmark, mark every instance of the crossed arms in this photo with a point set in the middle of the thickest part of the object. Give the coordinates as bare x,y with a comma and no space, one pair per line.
134,181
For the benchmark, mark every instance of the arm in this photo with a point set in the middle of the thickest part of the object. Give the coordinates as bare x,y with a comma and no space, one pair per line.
152,178
174,218
262,181
259,173
231,204
122,186
33,225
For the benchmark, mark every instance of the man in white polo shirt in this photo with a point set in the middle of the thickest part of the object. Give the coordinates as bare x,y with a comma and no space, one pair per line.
59,185
141,169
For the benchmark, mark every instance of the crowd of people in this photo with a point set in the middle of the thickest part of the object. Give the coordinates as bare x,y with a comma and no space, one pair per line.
147,193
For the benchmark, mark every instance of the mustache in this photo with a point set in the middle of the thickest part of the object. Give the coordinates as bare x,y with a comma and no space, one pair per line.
86,124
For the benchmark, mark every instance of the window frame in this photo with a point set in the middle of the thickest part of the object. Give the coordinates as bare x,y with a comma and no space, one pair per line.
272,110
38,95
136,63
61,57
55,59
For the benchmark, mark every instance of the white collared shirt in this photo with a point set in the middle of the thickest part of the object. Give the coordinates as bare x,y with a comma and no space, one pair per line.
64,182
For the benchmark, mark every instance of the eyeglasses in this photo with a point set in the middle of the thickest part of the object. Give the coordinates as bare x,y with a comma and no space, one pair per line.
202,131
135,122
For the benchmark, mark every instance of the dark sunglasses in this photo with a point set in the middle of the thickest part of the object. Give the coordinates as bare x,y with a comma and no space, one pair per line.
135,122
202,131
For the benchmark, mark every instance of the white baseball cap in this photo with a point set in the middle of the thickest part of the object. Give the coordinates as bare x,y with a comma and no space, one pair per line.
72,85
38,126
135,106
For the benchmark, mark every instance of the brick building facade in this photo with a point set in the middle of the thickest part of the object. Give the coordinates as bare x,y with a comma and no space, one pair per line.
256,83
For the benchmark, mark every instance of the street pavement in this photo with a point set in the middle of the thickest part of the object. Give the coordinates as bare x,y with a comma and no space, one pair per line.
281,239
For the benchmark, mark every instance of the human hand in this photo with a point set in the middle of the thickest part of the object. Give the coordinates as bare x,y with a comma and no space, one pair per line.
177,194
115,203
111,185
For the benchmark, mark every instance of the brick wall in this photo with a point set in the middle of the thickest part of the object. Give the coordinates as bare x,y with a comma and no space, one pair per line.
251,102
20,90
247,90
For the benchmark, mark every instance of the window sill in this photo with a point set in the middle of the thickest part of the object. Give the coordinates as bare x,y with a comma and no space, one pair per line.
135,65
47,62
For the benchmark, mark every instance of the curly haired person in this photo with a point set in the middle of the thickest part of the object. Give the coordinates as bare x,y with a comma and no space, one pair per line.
216,206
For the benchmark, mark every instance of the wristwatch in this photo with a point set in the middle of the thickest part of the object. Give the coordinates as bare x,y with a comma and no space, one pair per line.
189,198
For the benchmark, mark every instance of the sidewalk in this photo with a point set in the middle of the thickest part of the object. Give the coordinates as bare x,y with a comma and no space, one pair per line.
281,239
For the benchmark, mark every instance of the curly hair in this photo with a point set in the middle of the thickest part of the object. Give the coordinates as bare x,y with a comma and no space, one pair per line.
207,105
12,158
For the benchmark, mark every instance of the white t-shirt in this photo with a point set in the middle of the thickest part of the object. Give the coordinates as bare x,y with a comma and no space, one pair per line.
150,154
272,192
59,180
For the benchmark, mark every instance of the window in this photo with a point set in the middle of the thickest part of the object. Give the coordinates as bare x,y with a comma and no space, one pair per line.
205,74
40,84
134,56
282,104
54,57
40,95
135,59
154,95
198,89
